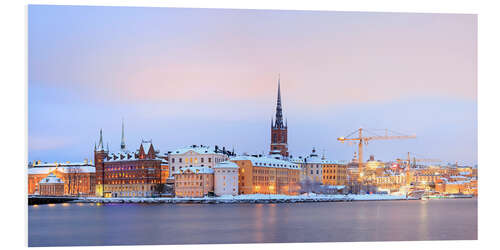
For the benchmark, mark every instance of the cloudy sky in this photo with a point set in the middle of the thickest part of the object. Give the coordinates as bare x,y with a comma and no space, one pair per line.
209,76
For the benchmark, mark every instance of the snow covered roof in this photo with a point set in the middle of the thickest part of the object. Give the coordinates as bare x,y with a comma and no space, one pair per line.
196,170
46,170
314,161
51,179
226,164
195,148
266,162
62,164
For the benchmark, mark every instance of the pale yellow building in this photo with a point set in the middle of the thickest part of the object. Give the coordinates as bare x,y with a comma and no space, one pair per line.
194,181
264,175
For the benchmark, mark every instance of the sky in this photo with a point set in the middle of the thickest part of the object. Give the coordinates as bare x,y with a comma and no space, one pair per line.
209,76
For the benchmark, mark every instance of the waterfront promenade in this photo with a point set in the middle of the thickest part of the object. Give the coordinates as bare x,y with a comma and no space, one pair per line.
252,198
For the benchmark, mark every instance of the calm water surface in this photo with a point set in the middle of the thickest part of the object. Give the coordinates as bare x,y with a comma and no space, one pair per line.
131,224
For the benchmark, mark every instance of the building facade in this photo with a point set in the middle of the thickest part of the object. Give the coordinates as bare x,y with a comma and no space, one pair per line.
78,177
196,156
264,175
226,179
126,173
194,181
334,173
51,186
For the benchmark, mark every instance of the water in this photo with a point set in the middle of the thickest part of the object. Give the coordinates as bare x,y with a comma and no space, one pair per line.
138,224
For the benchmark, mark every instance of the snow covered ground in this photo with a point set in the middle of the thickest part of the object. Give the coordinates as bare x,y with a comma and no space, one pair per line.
251,198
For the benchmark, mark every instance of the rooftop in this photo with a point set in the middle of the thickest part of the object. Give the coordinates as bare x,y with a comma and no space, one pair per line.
226,164
51,179
63,169
199,149
266,162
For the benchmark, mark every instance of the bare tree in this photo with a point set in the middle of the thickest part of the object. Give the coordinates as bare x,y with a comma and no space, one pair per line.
73,178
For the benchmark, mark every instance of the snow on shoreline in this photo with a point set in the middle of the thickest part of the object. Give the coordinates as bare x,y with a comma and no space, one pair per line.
249,198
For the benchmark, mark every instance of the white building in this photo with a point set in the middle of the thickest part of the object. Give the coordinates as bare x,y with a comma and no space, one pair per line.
195,156
226,178
311,166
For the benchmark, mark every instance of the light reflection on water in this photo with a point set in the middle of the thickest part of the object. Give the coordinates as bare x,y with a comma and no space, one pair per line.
128,224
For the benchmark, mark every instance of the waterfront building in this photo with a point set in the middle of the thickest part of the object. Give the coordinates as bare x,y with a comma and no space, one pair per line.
391,182
265,175
196,156
165,169
315,169
279,131
334,173
311,168
51,186
78,177
226,178
127,173
313,165
445,186
194,181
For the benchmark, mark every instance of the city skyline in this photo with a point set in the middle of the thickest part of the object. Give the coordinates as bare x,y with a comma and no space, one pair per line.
206,81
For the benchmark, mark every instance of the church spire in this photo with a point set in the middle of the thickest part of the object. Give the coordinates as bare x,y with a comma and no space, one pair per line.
122,145
279,113
100,146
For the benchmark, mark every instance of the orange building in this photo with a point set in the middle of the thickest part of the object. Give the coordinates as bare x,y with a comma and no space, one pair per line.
453,186
78,178
263,175
194,181
164,168
334,174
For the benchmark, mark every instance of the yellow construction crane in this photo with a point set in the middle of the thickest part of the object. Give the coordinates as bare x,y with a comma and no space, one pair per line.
365,139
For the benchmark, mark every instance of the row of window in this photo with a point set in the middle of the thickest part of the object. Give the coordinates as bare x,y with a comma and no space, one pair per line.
128,188
190,184
190,177
189,193
257,164
224,171
117,182
194,160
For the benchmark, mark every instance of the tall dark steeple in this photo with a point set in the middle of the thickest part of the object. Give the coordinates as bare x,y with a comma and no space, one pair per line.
279,130
279,110
100,146
122,145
